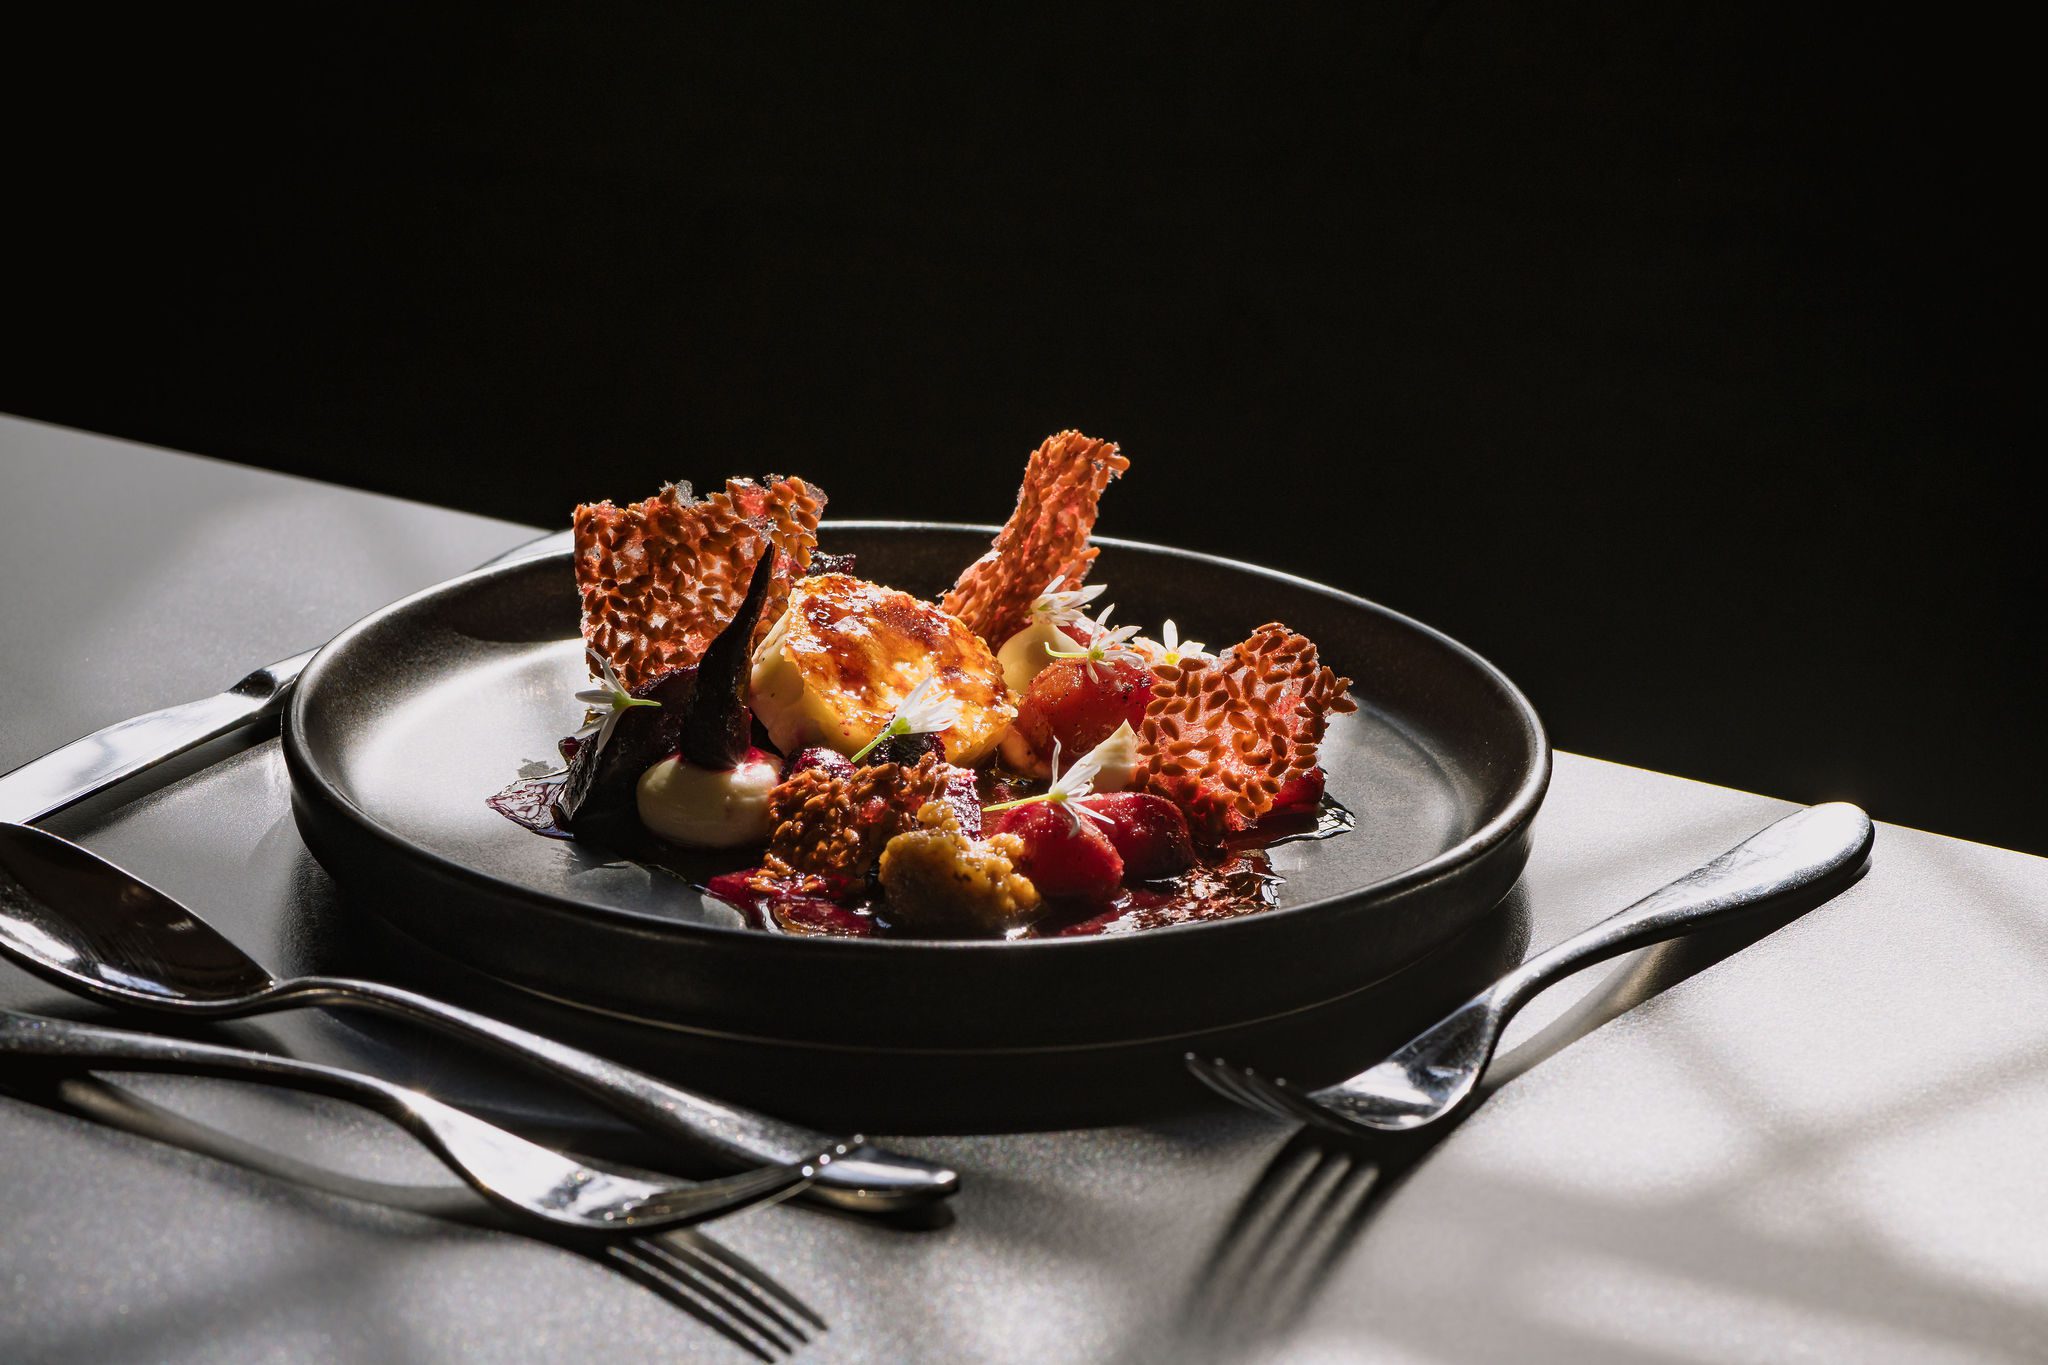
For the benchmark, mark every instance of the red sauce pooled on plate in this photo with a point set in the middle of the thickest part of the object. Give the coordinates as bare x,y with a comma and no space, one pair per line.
1234,883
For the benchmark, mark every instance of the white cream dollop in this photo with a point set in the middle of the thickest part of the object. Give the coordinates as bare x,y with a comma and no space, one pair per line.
1117,759
1023,655
706,808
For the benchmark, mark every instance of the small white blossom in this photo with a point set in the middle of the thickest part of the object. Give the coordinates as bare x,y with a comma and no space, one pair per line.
1105,646
1170,649
612,696
1066,788
926,711
1062,607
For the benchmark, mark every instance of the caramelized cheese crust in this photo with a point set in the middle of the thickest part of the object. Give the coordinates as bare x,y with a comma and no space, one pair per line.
847,652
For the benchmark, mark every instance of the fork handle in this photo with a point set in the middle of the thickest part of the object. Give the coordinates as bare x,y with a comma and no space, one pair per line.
1805,847
530,1181
866,1179
87,1046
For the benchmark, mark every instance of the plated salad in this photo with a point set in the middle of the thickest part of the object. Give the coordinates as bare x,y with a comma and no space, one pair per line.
834,756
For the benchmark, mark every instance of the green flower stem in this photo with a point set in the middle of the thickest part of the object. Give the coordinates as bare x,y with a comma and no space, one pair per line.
890,731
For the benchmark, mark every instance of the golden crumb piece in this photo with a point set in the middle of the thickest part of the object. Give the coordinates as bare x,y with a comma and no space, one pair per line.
939,881
828,830
1046,537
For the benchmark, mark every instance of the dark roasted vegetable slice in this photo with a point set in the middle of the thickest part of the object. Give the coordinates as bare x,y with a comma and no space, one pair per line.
718,729
602,778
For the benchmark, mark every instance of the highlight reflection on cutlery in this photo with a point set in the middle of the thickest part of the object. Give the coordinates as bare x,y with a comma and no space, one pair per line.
520,1176
1438,1070
79,921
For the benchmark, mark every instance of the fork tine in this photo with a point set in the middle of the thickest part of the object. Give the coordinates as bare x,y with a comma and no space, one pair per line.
1257,1092
1224,1079
1207,1070
745,1269
629,1259
1286,1099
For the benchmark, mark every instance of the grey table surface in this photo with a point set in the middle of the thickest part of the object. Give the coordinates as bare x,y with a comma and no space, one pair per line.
1826,1145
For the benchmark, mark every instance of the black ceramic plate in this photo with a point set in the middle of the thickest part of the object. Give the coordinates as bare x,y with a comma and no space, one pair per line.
406,722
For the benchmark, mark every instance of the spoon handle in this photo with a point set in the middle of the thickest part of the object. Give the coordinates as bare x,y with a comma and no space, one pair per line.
866,1180
1802,848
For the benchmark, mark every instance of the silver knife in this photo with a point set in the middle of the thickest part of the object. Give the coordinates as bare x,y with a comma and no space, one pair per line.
84,767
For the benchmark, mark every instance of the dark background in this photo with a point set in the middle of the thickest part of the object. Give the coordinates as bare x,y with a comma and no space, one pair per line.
1670,355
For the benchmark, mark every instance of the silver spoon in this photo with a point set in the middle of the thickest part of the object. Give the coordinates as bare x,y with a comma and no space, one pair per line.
1439,1069
77,920
523,1177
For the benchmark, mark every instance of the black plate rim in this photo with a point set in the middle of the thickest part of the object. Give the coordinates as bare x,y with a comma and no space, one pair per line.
311,782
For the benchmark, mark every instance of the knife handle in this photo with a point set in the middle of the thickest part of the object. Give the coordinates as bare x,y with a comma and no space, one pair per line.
84,766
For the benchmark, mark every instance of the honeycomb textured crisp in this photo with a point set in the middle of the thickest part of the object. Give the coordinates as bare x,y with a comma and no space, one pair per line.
1221,738
1046,537
659,579
829,830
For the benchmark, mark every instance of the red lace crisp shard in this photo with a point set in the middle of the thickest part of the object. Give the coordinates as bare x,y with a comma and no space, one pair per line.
660,578
1221,738
1046,537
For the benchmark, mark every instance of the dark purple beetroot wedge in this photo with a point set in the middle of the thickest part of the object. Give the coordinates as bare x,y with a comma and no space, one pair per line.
718,729
599,790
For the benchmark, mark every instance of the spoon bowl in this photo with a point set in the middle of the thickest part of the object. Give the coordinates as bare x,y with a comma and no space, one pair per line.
117,937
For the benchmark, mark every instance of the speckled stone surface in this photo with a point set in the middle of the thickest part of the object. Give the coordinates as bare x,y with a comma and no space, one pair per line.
1823,1144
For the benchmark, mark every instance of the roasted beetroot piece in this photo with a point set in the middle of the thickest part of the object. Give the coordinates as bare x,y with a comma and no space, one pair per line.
1066,857
1079,708
827,563
718,729
817,756
904,749
599,791
1149,832
1299,795
962,792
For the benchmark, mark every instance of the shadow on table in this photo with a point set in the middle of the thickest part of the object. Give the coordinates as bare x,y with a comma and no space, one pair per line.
685,1267
1321,1191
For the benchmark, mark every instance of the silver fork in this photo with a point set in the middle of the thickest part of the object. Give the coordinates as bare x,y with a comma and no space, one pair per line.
684,1267
1437,1071
521,1177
